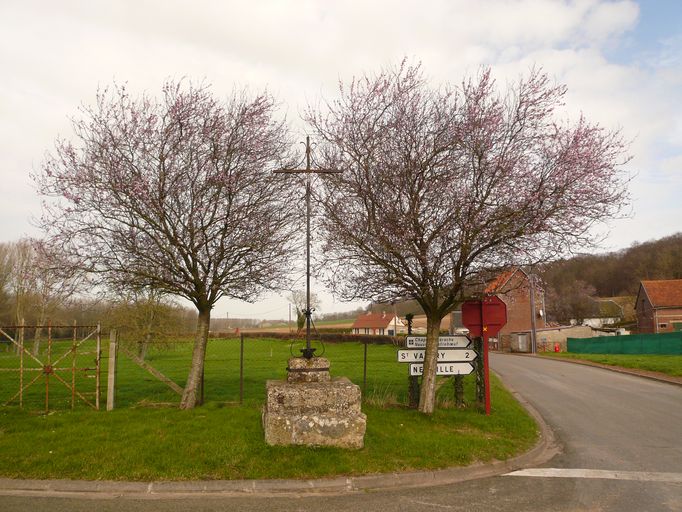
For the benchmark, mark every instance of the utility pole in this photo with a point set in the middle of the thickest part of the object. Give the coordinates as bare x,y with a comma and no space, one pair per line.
308,352
533,330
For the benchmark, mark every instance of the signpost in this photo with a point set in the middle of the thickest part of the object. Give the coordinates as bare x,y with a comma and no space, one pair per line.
485,318
444,355
460,341
454,354
444,369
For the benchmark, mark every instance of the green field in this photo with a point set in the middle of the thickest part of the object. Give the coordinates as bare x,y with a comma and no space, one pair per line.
668,364
149,438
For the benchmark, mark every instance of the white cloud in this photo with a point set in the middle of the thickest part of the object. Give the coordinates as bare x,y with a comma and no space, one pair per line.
54,55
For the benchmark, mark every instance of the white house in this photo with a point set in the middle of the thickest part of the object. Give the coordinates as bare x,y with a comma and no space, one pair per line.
378,323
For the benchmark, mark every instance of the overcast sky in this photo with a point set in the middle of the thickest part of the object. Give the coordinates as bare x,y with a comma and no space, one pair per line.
621,61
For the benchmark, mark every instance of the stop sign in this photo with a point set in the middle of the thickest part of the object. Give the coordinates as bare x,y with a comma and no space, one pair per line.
485,316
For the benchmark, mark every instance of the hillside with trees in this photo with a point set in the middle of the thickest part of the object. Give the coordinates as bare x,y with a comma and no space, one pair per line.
571,284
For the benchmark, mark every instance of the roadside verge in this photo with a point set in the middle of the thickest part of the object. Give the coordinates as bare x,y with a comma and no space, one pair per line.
544,450
647,374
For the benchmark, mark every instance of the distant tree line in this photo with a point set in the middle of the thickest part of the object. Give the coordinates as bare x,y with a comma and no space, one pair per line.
37,288
572,284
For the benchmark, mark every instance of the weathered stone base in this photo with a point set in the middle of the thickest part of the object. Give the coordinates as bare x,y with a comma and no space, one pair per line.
315,430
320,413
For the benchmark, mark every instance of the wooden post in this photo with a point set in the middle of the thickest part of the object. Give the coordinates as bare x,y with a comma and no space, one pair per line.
49,364
412,382
21,364
98,357
73,368
241,368
459,391
480,372
364,371
111,370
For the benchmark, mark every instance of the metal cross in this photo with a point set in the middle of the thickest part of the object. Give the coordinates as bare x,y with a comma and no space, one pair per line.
308,351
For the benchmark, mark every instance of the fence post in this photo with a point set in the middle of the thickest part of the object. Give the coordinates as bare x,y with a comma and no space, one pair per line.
364,371
98,355
49,364
111,370
21,363
241,368
73,368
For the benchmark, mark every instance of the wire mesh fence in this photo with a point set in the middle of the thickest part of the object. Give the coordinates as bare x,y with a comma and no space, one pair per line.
263,359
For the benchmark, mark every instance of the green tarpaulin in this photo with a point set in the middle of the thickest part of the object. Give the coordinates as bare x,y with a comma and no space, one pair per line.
668,343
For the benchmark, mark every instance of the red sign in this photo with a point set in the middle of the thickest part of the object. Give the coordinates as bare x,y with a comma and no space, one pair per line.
490,313
485,318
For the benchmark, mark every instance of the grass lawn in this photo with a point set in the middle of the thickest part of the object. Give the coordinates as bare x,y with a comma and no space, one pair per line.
668,364
143,440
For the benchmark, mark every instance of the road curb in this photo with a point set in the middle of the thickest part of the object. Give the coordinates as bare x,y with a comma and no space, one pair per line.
647,374
544,450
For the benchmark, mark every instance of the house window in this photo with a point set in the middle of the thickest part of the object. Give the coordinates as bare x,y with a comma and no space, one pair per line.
662,326
366,331
381,331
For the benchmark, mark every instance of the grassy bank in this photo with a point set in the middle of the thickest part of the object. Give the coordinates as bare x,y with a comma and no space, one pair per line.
668,364
224,440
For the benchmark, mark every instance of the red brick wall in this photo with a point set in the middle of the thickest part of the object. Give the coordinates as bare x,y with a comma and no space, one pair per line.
645,314
668,317
517,299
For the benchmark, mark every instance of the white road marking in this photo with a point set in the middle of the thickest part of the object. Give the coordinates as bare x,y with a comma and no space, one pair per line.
429,504
642,476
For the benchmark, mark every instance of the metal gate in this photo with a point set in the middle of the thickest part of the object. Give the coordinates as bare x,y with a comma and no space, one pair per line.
58,366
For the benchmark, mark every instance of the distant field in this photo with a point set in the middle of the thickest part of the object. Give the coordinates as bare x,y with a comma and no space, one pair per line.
336,323
284,327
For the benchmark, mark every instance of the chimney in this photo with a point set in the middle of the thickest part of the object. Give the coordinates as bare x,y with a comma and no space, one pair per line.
383,314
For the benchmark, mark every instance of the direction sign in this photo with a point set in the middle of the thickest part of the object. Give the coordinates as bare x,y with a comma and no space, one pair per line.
444,369
460,341
444,355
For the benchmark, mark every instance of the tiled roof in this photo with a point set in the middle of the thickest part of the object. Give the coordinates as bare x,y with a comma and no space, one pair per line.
497,284
665,293
373,321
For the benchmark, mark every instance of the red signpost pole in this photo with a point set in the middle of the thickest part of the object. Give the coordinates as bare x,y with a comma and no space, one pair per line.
486,368
483,318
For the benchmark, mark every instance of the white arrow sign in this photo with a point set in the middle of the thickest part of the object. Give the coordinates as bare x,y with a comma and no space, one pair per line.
443,341
444,369
444,354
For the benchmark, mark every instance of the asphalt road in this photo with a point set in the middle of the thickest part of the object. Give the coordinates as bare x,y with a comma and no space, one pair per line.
622,451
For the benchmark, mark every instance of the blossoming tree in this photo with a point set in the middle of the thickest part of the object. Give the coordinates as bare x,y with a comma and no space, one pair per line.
175,194
441,184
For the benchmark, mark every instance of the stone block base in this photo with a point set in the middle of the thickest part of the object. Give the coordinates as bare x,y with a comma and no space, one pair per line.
314,414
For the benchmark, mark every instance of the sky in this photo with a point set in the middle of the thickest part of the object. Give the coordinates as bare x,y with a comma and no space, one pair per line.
621,61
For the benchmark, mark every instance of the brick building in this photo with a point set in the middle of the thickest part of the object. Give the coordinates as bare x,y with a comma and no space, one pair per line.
659,306
513,287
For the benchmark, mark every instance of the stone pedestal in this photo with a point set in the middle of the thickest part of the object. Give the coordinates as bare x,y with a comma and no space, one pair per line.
310,408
